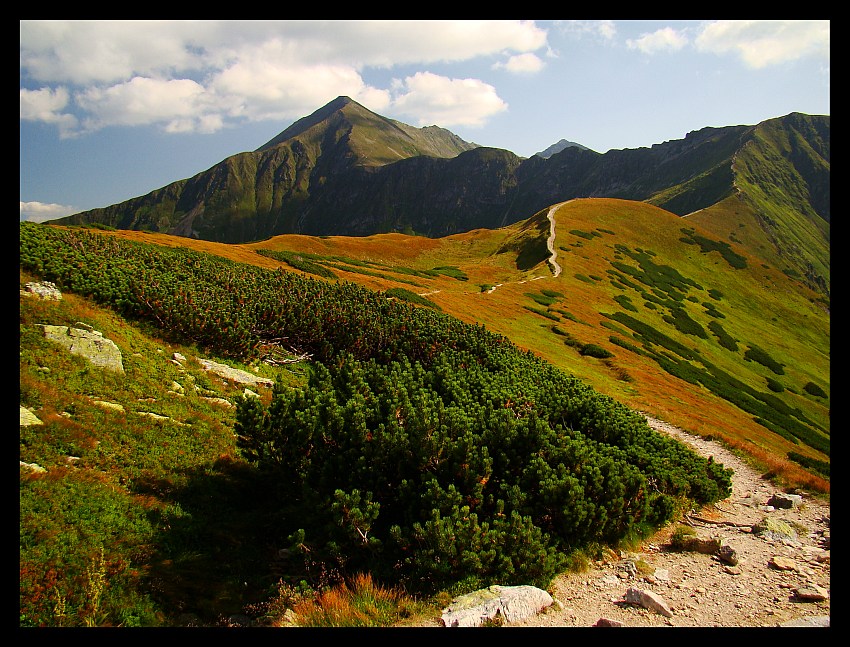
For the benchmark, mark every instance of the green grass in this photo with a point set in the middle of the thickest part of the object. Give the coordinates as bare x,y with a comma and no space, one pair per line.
162,499
173,473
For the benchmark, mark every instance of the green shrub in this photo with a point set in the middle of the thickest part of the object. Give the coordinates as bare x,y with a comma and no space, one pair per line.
592,350
542,299
624,344
759,355
682,321
411,297
715,294
774,386
626,302
441,474
543,313
707,245
725,339
813,389
819,466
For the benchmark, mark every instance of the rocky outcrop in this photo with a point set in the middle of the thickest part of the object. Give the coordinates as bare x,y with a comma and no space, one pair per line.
88,343
28,418
44,290
235,374
32,467
785,501
647,600
495,604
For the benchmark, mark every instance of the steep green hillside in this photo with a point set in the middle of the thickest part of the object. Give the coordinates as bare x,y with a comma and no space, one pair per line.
626,266
253,195
628,270
782,177
374,140
428,451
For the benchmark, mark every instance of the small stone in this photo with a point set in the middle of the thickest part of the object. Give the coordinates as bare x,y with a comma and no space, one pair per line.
782,563
605,622
647,600
785,501
728,554
812,593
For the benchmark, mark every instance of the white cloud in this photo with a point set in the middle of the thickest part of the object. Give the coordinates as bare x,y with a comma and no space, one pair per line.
142,101
266,83
41,211
432,99
521,64
83,52
760,43
46,105
661,40
200,75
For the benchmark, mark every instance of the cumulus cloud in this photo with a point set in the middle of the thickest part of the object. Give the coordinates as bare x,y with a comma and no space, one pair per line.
662,40
199,76
521,64
432,99
41,212
83,52
760,43
142,101
47,105
267,82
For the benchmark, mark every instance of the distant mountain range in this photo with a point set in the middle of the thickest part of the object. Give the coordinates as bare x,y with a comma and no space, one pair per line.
558,147
345,170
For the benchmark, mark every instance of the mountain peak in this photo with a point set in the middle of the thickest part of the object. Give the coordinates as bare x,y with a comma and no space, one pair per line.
370,139
558,147
309,121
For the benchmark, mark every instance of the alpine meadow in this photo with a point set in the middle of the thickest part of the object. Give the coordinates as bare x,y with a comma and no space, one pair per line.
455,350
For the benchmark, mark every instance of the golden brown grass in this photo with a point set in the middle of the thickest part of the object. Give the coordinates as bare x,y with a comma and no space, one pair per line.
358,603
636,225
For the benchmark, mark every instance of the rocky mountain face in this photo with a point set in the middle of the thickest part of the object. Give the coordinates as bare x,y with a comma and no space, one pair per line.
345,170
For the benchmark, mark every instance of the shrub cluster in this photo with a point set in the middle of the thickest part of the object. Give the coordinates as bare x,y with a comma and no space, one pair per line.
423,449
476,468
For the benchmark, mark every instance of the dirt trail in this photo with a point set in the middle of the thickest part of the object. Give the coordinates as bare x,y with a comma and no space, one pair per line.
550,245
701,590
550,242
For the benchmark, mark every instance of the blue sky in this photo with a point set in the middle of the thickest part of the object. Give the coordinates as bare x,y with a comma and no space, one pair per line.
111,110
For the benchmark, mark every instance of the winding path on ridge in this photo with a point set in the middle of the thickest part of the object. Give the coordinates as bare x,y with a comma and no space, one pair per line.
550,242
550,245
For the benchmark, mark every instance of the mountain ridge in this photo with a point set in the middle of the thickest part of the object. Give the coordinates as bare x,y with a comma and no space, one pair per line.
345,170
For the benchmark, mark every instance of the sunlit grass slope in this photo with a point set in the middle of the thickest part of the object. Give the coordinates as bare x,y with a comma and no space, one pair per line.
650,308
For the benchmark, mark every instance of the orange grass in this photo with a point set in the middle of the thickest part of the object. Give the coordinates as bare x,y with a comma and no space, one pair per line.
634,224
360,603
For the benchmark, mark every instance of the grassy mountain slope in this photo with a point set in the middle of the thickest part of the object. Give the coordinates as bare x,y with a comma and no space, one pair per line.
92,553
345,170
782,179
143,494
605,248
649,309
